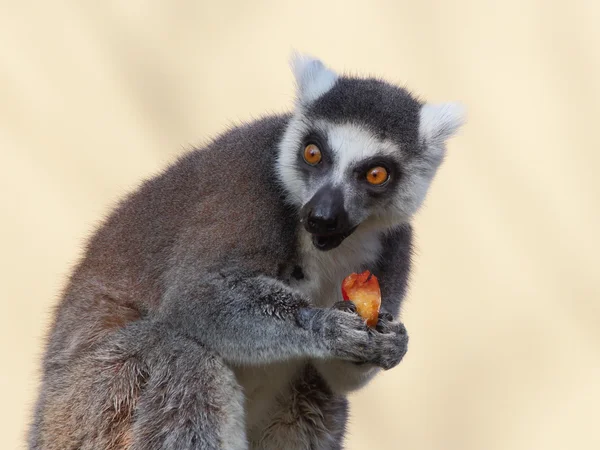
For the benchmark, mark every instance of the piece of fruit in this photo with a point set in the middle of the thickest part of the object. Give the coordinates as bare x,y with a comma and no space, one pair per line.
362,289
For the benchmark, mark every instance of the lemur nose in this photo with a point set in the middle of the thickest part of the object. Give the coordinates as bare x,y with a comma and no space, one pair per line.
324,214
321,222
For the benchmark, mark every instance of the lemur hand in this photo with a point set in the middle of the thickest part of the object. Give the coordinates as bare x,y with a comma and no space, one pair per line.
387,343
345,335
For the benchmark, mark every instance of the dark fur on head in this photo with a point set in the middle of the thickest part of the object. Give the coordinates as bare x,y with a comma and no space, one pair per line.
388,111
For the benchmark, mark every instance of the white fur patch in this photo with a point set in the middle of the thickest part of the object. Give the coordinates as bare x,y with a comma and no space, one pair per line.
438,122
351,144
325,271
287,160
313,78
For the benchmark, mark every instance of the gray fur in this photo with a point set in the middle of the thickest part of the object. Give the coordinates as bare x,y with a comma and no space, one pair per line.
201,317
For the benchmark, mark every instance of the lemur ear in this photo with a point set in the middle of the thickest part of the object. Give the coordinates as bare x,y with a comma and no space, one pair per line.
438,122
313,78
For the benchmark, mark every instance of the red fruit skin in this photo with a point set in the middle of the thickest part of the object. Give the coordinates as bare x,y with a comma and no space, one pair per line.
344,293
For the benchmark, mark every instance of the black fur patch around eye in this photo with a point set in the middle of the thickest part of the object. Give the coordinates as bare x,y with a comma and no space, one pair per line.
394,171
318,139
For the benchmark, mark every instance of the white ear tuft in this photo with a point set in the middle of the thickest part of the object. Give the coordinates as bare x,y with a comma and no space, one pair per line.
438,122
313,79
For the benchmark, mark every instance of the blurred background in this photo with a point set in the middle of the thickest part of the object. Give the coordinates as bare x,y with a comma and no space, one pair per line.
504,305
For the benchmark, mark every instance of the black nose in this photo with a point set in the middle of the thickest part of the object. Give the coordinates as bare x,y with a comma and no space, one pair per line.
324,214
319,221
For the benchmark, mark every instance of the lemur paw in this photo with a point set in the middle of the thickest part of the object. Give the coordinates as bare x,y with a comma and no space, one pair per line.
387,342
345,335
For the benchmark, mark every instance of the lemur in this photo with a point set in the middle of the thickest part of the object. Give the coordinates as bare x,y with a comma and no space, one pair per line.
206,311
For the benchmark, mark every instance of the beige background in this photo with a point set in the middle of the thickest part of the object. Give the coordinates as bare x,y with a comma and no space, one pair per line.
504,309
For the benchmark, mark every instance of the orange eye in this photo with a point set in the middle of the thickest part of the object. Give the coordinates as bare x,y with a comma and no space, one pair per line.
377,175
312,154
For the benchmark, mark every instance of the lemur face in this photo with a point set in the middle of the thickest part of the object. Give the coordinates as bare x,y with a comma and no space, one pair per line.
358,153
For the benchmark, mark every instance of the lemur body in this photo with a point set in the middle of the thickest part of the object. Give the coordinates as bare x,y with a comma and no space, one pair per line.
206,311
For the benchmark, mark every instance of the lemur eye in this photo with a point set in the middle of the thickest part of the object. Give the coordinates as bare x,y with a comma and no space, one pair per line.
312,154
377,175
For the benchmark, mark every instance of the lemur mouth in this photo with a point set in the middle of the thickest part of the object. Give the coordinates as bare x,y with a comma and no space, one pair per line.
330,241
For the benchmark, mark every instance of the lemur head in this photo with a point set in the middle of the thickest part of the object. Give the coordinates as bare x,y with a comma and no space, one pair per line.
358,152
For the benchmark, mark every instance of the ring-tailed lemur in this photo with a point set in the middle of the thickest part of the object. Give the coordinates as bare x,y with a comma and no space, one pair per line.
206,311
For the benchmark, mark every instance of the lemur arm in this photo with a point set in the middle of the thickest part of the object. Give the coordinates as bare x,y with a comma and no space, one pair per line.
394,267
254,319
392,271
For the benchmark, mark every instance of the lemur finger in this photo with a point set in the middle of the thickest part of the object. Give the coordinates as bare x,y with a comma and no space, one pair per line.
386,316
387,325
345,306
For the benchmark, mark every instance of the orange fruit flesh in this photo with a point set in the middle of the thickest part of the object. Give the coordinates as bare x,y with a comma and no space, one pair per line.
363,290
